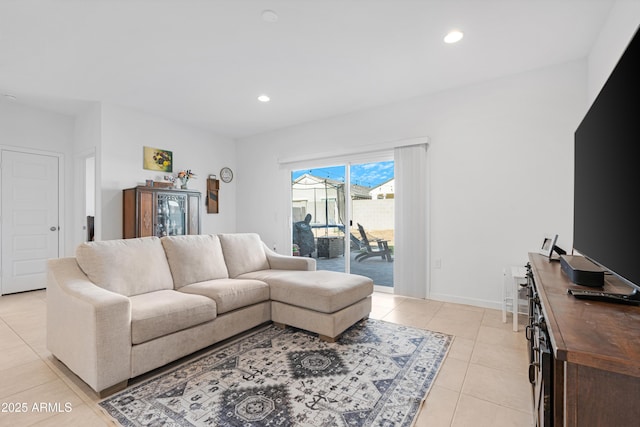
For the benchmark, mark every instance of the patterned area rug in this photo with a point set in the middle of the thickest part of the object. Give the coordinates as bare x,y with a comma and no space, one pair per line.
377,374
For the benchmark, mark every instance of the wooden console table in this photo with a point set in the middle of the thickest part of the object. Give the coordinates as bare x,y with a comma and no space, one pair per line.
596,350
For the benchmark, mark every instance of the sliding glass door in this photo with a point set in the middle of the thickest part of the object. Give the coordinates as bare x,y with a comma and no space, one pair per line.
318,213
372,225
343,216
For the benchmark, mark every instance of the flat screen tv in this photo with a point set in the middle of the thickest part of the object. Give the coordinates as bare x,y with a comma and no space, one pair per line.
607,173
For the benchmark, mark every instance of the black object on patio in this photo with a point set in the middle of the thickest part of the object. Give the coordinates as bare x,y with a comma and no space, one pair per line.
303,236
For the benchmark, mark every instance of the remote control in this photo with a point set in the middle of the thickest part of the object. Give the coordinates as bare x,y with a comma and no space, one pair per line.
632,298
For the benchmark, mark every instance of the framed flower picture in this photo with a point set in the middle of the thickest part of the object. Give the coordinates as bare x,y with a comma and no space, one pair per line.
156,159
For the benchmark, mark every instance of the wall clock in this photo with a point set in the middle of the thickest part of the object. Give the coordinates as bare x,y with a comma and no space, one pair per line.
226,175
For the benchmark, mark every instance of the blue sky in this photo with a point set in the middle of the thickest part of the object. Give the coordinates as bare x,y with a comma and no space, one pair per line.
367,174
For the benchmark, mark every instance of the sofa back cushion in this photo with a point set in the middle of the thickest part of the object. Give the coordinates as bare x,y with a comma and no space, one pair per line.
128,266
243,253
194,259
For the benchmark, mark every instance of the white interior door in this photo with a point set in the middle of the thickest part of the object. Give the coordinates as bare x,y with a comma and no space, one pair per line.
30,224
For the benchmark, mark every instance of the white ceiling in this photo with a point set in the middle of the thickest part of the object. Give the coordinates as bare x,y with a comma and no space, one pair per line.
205,62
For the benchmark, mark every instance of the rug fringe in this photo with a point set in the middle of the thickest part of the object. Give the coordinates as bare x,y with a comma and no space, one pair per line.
424,399
108,417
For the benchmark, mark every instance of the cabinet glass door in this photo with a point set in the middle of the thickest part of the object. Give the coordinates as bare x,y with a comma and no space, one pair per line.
171,215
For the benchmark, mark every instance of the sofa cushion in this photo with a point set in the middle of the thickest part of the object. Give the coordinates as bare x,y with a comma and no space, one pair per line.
243,253
230,294
160,313
194,258
128,266
323,291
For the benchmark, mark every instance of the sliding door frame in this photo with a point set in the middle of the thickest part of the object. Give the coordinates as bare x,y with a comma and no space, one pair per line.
347,163
362,154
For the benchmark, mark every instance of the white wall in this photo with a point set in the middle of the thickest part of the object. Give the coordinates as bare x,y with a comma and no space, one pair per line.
35,129
117,136
373,214
501,172
87,142
124,134
621,25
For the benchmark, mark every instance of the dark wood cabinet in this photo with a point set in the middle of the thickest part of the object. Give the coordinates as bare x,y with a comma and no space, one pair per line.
150,211
595,351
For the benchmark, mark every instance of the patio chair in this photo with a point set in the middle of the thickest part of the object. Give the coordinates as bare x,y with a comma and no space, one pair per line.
382,250
355,244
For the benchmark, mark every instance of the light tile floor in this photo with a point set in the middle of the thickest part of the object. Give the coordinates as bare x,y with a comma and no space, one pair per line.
483,381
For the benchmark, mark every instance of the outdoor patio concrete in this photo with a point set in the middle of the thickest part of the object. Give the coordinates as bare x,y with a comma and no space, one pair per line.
381,271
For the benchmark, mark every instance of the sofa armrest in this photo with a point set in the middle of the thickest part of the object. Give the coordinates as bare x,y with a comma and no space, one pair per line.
284,262
88,327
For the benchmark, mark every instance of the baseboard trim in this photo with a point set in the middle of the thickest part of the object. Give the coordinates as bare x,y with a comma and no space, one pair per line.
496,305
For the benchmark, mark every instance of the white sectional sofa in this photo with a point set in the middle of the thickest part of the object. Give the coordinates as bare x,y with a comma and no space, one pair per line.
121,308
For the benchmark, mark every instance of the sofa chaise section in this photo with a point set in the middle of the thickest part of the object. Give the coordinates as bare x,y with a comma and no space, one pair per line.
324,302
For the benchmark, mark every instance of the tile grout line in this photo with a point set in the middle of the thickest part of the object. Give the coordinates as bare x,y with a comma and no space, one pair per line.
464,379
475,343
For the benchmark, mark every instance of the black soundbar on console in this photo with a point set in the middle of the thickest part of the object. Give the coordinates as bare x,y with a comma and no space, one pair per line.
582,271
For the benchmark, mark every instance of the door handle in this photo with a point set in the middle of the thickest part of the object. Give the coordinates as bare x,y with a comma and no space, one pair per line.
53,228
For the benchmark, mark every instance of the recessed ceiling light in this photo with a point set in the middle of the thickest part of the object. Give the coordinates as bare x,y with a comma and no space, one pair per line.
453,36
264,98
269,16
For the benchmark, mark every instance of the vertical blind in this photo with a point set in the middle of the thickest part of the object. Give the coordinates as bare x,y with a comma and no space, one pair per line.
411,239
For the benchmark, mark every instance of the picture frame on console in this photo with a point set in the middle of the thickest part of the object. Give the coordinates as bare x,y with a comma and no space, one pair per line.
549,247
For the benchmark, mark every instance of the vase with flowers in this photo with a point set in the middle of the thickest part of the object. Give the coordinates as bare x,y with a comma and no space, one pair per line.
184,176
